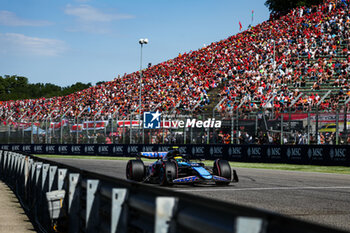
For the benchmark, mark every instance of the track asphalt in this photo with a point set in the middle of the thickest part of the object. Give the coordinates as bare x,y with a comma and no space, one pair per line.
321,198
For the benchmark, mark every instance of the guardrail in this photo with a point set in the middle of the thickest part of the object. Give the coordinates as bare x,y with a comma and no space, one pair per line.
60,198
328,155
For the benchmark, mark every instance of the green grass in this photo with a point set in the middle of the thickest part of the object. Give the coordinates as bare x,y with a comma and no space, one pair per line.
273,166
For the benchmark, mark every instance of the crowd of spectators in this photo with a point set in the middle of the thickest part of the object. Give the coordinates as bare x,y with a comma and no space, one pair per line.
256,65
306,45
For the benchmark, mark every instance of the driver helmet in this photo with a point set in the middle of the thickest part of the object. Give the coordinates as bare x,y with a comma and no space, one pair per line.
178,158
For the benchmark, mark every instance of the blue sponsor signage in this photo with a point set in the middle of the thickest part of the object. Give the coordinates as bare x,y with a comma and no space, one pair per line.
151,120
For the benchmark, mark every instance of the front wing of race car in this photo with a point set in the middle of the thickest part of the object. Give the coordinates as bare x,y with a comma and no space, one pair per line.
198,179
205,177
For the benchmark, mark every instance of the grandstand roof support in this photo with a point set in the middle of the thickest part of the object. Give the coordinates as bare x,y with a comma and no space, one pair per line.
324,97
97,114
269,101
8,128
153,109
237,116
216,106
61,119
48,116
113,115
317,105
346,116
77,122
176,106
290,110
31,134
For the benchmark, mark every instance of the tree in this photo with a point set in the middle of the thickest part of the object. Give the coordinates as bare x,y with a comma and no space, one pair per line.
100,82
17,87
283,6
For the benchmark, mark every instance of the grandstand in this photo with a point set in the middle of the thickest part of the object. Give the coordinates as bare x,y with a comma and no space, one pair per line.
297,58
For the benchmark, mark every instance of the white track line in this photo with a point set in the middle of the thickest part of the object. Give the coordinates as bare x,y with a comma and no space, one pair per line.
261,189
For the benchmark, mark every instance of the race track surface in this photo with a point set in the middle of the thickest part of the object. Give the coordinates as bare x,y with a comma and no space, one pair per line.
316,197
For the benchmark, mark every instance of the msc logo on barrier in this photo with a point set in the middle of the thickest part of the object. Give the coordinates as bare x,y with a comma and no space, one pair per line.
15,148
216,151
89,149
63,149
50,149
198,150
26,148
235,152
151,120
163,148
133,149
254,152
274,153
38,149
118,150
147,148
315,153
294,153
338,154
76,149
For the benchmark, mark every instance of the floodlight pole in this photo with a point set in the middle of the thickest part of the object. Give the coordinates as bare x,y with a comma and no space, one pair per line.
141,42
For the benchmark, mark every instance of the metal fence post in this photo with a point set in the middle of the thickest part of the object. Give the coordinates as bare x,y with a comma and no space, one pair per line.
7,164
337,127
308,128
20,181
74,202
316,134
37,187
44,177
130,131
11,166
62,174
249,225
52,176
119,210
92,206
43,215
1,163
165,208
281,129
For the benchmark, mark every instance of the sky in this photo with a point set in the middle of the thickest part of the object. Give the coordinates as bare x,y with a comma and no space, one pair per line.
68,41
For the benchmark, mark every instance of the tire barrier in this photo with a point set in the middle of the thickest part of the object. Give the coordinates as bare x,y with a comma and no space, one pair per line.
297,154
60,198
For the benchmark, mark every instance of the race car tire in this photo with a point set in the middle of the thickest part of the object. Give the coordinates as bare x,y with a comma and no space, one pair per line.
223,169
167,173
135,170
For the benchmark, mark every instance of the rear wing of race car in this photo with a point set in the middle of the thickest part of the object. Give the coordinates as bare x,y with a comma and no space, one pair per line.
153,155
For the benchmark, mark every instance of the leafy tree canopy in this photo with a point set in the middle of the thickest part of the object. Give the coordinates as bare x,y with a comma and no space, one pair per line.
17,87
283,6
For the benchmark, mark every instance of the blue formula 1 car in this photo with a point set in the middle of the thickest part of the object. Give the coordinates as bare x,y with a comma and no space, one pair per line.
173,168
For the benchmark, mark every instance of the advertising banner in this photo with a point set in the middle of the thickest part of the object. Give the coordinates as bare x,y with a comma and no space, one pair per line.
295,154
